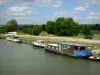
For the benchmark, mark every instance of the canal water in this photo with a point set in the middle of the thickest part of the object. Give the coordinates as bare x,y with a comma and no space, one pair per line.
23,59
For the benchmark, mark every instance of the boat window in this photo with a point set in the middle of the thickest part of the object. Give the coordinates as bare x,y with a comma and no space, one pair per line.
76,48
82,48
65,46
42,41
57,48
48,46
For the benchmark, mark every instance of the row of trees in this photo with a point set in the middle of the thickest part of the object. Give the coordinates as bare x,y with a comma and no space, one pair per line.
11,26
61,26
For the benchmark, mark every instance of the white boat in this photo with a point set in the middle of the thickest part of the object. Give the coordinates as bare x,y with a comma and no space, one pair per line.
14,39
17,40
39,43
9,39
95,58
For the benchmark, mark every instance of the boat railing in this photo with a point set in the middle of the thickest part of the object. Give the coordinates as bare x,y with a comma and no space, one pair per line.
67,51
53,47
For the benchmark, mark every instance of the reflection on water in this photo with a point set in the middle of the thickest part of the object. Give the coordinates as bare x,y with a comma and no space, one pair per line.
23,59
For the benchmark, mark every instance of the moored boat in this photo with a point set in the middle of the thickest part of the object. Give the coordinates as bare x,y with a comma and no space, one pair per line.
9,39
94,58
39,43
70,49
14,39
17,40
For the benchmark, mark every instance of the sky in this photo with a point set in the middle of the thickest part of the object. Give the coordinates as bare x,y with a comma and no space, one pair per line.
41,11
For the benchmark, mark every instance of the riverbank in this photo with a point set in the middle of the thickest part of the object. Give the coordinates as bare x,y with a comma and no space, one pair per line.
28,39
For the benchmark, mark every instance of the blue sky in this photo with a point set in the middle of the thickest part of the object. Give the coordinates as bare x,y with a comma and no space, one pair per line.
40,11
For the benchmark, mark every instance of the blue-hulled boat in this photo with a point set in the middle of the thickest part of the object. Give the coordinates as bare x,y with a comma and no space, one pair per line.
70,49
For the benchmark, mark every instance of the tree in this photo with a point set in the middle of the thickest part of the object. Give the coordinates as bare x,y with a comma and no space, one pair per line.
2,29
12,25
66,27
50,28
44,27
86,30
37,29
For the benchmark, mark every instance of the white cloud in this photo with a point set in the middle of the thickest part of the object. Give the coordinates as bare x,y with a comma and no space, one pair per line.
92,1
58,4
2,2
20,18
46,16
17,12
94,16
76,18
44,3
80,8
65,13
93,13
88,2
60,14
35,3
20,11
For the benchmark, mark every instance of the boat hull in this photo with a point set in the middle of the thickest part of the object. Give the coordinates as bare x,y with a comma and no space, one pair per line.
18,41
9,40
95,59
39,46
64,54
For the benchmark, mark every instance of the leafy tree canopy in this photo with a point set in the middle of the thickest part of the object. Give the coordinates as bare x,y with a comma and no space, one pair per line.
12,25
50,28
86,30
66,27
37,29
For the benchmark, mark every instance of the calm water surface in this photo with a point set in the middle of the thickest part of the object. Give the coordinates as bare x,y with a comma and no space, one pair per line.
23,59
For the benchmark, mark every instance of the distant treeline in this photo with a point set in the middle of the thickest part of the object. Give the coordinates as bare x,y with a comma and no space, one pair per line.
93,26
61,27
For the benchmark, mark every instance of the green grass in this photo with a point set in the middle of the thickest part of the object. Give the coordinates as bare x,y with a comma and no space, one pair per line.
96,35
29,41
96,31
2,37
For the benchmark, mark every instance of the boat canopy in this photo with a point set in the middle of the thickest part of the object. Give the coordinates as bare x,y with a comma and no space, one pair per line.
75,44
52,44
40,40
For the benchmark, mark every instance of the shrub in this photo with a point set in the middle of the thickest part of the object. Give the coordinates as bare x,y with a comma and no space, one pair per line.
43,33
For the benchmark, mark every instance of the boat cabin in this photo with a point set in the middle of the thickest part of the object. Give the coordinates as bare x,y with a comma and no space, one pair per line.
69,48
40,41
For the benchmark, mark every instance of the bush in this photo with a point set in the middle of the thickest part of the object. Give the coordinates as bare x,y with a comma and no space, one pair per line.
43,33
37,29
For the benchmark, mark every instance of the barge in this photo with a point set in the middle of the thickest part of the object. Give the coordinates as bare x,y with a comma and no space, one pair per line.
70,49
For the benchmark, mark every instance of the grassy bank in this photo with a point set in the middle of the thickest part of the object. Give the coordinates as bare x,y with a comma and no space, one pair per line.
28,39
96,35
2,37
